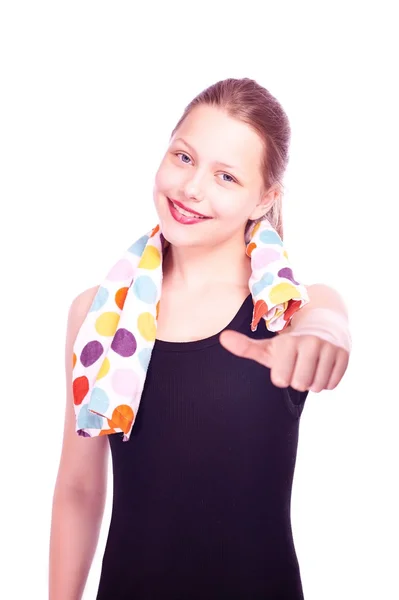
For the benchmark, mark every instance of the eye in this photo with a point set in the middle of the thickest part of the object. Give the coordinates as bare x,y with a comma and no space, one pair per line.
230,180
183,155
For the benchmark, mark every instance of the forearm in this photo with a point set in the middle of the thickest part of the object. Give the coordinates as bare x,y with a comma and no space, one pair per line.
75,528
325,316
321,296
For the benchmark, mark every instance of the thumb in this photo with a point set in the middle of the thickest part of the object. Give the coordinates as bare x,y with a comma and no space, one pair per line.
244,346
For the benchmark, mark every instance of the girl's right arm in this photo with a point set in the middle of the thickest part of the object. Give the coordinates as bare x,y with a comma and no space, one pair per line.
80,489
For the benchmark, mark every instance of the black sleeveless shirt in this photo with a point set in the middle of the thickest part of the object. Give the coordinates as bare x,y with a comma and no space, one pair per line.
202,490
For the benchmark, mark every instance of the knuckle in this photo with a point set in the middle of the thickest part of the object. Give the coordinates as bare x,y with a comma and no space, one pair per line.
278,379
310,342
300,386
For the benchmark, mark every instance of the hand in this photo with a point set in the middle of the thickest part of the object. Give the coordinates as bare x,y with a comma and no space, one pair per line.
304,362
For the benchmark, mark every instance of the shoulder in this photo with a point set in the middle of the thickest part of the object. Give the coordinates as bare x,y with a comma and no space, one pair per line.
82,302
79,308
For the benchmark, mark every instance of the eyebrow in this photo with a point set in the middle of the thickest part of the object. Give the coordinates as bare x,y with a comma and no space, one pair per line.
222,164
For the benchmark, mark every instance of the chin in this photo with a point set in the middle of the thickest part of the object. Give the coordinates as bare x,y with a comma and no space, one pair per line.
178,237
177,234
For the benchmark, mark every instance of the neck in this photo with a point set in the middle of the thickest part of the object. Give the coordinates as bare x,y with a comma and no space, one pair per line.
197,268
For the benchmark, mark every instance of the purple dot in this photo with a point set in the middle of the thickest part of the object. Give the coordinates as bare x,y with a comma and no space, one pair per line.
124,343
286,272
90,353
83,433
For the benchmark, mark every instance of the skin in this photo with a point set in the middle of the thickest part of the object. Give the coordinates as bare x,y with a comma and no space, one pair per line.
209,254
212,253
192,175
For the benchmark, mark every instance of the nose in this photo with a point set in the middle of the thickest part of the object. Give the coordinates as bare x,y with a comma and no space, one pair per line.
194,188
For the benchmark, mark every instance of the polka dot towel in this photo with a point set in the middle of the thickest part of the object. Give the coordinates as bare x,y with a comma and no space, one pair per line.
113,347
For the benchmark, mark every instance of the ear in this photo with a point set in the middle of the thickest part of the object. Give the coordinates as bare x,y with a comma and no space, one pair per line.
265,203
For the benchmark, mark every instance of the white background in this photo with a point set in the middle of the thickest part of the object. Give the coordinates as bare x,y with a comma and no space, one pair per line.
90,92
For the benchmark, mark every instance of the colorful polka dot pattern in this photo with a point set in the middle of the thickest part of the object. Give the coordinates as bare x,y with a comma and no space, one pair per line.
275,292
113,347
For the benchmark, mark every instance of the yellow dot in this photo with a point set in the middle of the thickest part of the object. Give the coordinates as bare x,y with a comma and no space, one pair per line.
285,253
103,369
150,259
107,323
255,229
146,326
283,292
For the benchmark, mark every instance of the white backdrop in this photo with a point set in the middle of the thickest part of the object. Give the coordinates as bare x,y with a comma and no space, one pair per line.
90,92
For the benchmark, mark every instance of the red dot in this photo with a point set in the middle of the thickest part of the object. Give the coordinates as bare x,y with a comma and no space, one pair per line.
80,387
293,306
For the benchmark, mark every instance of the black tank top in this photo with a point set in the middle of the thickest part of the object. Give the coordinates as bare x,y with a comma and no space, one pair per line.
202,490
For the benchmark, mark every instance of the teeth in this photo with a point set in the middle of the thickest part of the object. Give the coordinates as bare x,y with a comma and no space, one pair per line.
186,213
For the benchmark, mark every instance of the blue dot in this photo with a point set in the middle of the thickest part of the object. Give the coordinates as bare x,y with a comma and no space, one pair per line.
99,401
267,279
100,299
270,237
144,357
145,289
138,246
86,419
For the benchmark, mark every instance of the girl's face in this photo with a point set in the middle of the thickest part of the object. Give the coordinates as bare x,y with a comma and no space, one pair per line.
213,167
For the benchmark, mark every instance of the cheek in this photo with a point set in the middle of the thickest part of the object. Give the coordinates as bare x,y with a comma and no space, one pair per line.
166,178
232,206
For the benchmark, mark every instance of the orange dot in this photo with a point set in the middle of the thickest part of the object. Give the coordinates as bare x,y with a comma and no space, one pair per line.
107,431
80,387
74,359
157,309
120,297
122,417
250,248
260,310
154,231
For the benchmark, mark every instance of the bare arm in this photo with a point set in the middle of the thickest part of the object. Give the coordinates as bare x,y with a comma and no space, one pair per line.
321,296
80,490
326,316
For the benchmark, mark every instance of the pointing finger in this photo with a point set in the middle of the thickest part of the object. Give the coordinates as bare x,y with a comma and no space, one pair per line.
241,345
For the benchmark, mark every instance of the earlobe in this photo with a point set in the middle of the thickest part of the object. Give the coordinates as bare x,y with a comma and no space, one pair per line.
260,212
265,204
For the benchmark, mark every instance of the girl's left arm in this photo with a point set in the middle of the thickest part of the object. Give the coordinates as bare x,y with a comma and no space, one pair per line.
326,316
321,296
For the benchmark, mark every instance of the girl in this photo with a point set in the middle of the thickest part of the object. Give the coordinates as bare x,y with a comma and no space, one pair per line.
203,470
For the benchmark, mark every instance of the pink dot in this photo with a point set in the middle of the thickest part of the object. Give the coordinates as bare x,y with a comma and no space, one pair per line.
125,382
263,257
122,270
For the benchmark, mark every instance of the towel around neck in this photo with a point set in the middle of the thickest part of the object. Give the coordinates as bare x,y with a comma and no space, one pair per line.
113,347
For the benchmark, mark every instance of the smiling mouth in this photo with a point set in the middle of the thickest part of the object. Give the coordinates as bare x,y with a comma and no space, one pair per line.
185,212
